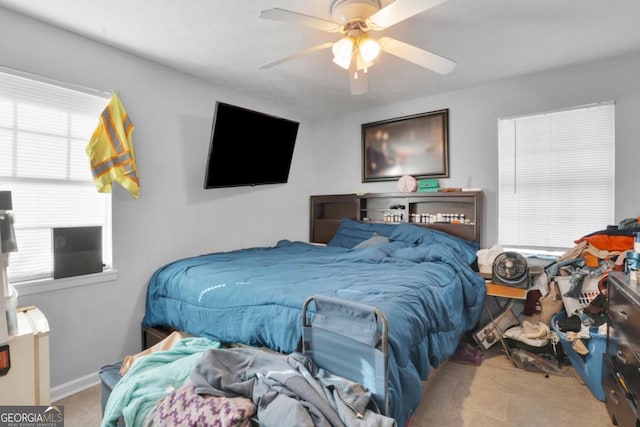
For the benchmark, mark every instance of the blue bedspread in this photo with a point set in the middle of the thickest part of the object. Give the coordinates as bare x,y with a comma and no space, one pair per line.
421,279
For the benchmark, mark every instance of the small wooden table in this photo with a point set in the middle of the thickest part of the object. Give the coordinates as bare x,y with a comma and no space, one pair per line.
504,291
510,294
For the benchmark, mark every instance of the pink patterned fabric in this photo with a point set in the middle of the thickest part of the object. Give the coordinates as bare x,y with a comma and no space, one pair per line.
184,407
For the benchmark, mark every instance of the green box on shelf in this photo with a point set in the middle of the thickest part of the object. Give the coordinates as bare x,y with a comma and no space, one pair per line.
425,185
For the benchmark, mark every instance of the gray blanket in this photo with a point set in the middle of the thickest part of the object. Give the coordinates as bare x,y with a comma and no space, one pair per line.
285,389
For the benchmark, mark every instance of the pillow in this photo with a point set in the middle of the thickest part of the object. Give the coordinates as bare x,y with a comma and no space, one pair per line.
374,240
414,234
352,232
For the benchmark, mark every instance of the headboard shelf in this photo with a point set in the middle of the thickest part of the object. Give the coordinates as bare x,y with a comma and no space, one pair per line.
457,213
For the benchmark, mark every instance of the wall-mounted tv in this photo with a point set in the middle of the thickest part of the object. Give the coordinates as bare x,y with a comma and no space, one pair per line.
249,148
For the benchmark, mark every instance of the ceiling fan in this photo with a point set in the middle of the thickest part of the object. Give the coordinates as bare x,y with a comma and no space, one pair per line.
355,52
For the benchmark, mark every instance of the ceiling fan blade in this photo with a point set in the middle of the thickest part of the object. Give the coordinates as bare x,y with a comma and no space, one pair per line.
297,55
282,15
423,58
398,11
357,80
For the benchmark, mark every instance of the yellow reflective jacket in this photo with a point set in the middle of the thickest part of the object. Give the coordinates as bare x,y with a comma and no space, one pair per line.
111,152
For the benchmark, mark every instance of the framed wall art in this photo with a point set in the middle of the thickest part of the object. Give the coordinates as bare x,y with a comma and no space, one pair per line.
416,145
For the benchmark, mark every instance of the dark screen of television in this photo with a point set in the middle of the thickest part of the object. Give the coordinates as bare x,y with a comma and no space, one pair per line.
249,148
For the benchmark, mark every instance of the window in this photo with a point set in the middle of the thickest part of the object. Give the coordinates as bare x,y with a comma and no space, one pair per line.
44,129
556,176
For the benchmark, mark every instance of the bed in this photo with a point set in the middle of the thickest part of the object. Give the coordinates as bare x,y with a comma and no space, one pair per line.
422,279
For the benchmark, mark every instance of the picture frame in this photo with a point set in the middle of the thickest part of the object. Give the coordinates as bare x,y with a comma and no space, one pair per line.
415,145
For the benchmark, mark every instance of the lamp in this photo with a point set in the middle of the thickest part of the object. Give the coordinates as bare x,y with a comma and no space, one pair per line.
344,49
342,52
369,49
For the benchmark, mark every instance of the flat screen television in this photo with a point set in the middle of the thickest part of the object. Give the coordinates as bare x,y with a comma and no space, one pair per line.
249,148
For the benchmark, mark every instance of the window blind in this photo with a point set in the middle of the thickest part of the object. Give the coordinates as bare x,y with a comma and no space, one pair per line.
44,129
556,176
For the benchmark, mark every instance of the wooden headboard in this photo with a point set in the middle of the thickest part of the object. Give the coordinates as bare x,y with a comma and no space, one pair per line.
458,213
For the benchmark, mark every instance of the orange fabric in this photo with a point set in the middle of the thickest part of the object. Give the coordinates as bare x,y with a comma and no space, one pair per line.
504,291
165,344
591,260
609,243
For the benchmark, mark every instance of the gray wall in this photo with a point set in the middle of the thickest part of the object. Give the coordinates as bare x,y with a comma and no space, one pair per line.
174,217
473,115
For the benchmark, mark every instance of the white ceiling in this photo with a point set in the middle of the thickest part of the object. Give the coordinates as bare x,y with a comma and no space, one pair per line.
225,42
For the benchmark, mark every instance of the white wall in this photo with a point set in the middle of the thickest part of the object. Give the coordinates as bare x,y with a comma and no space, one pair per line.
473,145
175,217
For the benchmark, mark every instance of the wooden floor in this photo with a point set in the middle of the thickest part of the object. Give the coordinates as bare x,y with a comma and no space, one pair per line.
493,394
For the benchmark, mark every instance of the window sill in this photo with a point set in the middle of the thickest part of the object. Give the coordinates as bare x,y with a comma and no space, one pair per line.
47,285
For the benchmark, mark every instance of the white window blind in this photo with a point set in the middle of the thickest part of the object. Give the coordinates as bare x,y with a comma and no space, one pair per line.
556,176
44,129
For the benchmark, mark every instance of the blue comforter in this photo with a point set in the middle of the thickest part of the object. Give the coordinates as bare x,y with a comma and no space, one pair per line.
421,279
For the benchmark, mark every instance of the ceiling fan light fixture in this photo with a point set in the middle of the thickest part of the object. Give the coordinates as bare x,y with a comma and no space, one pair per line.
369,49
343,48
343,62
356,52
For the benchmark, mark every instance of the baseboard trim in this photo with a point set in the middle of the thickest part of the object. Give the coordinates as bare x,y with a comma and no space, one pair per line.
61,391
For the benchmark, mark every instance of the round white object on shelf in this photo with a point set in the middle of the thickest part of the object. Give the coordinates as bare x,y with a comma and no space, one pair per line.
407,184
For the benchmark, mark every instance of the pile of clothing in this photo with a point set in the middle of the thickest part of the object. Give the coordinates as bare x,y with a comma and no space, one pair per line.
593,256
189,381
